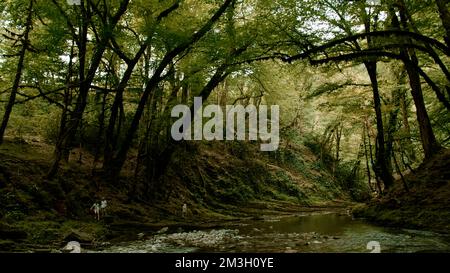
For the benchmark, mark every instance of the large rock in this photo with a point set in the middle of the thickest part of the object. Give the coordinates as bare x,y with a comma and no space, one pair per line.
76,235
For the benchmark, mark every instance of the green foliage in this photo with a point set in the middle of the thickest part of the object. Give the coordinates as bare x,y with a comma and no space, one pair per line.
347,173
222,64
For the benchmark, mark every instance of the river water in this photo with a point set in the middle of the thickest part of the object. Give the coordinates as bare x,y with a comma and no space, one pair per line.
317,233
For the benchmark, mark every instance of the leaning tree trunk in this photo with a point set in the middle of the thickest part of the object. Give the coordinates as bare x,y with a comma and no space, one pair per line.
381,169
369,176
407,129
429,143
392,127
19,70
445,18
381,165
114,168
86,78
377,179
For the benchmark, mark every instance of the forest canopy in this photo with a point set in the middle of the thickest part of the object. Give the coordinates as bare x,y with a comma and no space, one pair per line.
367,80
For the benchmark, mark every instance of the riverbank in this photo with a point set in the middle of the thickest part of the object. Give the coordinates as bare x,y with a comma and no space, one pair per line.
218,183
36,235
43,215
426,203
324,231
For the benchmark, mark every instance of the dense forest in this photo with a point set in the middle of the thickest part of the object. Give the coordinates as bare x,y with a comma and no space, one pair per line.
88,88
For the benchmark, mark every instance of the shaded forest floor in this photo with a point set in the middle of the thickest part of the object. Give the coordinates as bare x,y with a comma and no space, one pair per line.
218,182
426,205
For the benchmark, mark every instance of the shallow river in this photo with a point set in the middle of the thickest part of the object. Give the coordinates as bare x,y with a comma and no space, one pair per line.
324,232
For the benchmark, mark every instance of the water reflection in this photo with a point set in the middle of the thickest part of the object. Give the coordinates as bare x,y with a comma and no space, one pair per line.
331,224
303,233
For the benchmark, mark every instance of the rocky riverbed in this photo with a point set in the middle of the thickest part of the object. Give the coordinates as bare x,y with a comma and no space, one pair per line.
328,232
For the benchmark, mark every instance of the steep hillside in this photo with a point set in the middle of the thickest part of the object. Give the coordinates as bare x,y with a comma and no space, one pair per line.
425,205
222,175
216,181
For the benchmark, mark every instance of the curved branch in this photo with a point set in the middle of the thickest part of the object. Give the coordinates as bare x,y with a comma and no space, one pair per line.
412,35
380,54
424,49
364,54
436,89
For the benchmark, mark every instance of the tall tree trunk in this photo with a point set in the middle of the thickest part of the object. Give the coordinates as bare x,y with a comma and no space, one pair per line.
15,88
377,179
67,102
381,165
166,155
338,135
392,127
111,132
60,152
366,155
86,78
445,18
101,127
429,142
397,167
113,170
339,129
405,122
381,169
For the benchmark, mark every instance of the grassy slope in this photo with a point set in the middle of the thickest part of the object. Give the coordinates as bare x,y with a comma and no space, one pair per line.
218,182
226,175
426,205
